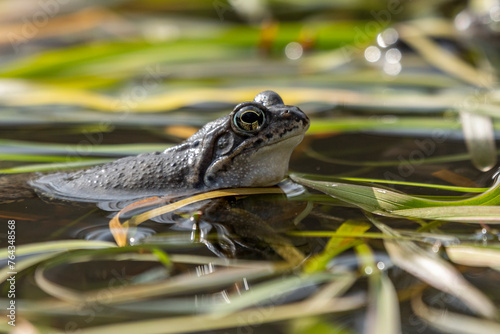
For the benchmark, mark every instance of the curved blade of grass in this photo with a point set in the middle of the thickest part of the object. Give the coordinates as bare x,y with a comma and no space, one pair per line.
450,322
280,245
23,264
251,317
372,199
439,274
45,250
469,214
435,271
118,229
388,202
182,283
474,255
480,140
56,246
404,183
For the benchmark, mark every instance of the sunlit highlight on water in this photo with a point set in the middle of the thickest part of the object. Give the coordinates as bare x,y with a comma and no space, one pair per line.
372,54
390,59
294,50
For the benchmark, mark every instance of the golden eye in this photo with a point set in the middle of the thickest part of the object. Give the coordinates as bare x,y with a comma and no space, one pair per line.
249,119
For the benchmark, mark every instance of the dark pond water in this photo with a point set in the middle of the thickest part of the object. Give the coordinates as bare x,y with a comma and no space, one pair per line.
244,228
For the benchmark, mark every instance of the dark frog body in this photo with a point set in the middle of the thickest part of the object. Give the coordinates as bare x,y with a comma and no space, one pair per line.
250,147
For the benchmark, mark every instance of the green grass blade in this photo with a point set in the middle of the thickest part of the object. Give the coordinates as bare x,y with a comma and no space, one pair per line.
337,245
69,149
368,198
403,183
56,166
470,214
31,157
388,202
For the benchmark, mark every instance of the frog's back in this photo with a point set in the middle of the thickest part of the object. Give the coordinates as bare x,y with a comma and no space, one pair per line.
151,174
175,170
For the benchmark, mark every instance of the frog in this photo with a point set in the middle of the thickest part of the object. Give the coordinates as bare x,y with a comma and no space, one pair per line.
249,147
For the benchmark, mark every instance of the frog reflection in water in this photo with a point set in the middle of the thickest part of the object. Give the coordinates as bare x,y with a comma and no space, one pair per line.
250,147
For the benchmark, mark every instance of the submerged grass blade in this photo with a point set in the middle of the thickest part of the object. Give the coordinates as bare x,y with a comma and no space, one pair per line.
245,319
57,246
338,234
435,271
439,274
480,140
39,252
119,230
21,265
383,305
450,322
333,289
182,283
474,255
274,292
386,304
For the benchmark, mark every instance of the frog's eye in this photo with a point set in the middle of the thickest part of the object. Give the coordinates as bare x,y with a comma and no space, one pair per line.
249,118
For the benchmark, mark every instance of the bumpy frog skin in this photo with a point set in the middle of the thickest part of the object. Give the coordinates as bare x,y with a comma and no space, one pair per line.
250,147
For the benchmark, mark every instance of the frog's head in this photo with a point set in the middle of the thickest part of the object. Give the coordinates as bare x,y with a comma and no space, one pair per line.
255,147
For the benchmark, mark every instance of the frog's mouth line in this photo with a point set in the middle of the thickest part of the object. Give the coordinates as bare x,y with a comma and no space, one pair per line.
282,139
286,139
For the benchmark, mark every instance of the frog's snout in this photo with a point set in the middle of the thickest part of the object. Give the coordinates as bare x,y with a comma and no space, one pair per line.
295,114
